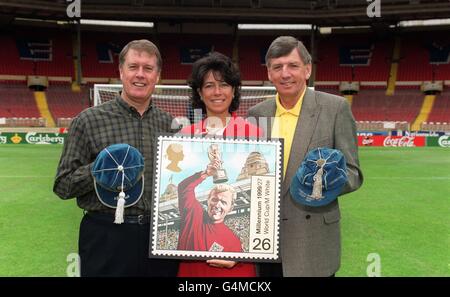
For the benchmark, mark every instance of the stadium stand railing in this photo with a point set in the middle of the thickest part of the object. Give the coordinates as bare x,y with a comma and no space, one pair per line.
382,125
438,126
63,122
23,122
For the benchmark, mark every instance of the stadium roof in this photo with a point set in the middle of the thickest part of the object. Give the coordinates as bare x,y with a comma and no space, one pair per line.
319,12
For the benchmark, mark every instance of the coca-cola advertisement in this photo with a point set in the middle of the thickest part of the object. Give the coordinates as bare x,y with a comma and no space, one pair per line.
367,141
391,141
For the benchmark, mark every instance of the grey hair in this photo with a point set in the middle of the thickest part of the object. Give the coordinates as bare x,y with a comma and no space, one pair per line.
283,46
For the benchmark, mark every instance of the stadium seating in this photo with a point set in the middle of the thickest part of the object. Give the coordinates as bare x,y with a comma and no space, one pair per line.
252,51
94,48
416,52
329,66
59,44
374,105
413,65
100,64
441,109
17,101
63,103
172,45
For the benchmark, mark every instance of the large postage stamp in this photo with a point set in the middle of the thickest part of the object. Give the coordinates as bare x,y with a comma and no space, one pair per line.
217,198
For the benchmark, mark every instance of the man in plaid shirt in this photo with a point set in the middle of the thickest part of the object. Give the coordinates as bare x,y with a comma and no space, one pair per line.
105,248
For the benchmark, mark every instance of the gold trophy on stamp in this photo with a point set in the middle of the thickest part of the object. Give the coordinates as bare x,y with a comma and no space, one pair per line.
214,153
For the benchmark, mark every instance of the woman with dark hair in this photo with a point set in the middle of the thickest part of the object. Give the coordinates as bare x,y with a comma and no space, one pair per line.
215,82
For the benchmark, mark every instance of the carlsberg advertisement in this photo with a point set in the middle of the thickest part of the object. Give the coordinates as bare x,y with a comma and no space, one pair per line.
32,138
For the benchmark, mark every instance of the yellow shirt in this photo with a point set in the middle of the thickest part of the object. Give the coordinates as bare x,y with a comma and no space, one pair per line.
284,125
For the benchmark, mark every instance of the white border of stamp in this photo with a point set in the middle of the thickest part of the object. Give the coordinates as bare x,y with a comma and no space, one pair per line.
257,208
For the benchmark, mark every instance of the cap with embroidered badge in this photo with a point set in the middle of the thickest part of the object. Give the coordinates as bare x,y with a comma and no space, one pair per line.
118,177
320,178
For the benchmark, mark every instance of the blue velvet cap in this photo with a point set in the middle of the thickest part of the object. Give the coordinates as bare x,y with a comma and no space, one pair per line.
119,167
320,178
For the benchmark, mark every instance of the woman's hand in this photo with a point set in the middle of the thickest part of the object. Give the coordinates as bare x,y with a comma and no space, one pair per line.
221,263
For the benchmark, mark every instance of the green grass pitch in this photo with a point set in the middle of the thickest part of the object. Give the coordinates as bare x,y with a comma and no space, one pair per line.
401,214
